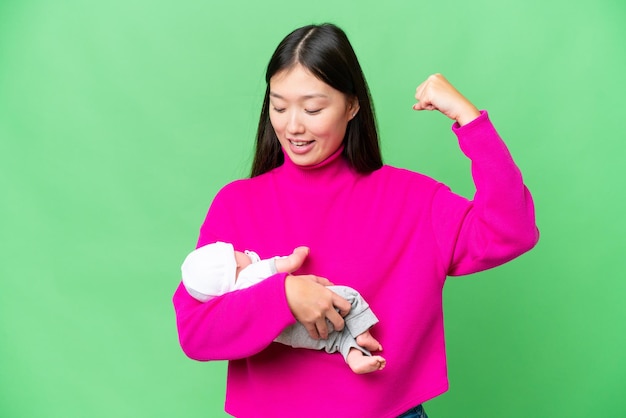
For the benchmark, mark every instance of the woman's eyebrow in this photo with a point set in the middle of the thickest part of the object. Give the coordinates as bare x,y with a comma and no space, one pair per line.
305,97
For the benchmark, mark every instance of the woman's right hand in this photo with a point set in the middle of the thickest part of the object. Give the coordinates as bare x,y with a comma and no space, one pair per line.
312,304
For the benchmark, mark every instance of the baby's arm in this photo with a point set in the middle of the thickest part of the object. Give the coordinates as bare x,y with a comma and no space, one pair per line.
291,263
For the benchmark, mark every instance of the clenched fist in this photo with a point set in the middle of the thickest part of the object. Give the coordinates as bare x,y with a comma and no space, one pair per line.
436,93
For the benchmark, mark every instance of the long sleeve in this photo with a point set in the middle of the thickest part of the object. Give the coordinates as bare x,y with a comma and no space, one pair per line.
237,324
221,329
499,223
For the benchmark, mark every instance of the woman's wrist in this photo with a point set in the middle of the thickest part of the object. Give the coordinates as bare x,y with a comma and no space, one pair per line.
468,114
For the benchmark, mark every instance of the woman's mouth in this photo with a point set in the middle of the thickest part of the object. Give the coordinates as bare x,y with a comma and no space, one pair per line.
300,147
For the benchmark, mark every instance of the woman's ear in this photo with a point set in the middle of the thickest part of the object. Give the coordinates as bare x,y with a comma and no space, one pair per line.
353,107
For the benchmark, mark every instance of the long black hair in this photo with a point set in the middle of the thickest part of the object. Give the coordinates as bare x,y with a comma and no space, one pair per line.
326,52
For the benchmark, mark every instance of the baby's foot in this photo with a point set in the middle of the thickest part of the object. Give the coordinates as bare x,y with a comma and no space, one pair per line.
367,341
360,363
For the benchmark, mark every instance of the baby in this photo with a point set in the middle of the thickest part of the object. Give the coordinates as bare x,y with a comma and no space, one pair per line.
215,269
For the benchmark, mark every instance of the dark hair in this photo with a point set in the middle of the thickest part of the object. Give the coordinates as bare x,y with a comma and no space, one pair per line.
325,51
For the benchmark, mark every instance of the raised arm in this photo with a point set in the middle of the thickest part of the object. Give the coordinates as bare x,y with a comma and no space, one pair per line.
499,223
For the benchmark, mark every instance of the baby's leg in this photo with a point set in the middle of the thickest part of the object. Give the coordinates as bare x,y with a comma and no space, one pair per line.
367,341
360,363
292,262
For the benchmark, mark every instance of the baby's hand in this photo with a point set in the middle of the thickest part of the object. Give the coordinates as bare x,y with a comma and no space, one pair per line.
292,262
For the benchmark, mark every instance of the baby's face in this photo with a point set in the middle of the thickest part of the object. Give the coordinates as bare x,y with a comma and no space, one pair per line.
242,261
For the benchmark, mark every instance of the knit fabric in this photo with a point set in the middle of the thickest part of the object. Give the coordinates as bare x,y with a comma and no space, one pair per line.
393,235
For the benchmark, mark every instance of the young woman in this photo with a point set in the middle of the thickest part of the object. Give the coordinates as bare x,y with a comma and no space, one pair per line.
318,180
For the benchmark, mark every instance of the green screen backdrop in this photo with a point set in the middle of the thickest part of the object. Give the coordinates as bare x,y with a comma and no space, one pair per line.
120,120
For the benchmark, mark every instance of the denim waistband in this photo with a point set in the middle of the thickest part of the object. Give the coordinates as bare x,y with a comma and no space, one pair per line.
417,412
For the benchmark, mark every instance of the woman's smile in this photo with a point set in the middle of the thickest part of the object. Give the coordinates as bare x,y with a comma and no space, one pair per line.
300,146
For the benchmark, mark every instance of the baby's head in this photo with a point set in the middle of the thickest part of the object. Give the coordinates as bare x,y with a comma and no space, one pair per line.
218,260
209,265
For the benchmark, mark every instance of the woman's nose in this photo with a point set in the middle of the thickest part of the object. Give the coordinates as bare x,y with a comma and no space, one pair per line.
294,125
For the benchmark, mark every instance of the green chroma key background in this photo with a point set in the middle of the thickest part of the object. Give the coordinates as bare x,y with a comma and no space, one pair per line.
120,120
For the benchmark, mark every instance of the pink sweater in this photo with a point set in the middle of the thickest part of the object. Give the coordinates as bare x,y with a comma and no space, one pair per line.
394,235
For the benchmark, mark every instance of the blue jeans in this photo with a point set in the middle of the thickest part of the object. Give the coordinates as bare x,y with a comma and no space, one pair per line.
417,412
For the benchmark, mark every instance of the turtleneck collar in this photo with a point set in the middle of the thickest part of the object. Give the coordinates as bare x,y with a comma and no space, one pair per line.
323,174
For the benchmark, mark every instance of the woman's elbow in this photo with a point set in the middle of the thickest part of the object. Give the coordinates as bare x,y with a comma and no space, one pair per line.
532,239
191,347
519,243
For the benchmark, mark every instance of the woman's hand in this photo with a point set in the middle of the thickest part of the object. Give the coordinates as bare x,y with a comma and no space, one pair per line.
312,304
436,93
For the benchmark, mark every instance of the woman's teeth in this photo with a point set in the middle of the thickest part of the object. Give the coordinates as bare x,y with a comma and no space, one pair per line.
300,143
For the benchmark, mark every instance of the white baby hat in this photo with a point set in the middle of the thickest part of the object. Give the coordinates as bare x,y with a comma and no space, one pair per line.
210,270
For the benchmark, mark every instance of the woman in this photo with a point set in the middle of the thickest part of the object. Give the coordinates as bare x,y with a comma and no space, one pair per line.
318,180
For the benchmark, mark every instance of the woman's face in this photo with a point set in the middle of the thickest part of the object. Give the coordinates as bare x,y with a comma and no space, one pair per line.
308,116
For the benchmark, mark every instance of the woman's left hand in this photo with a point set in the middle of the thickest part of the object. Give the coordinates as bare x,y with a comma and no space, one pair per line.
436,93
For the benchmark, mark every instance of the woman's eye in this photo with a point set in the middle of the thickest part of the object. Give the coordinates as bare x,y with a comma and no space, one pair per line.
279,109
313,112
